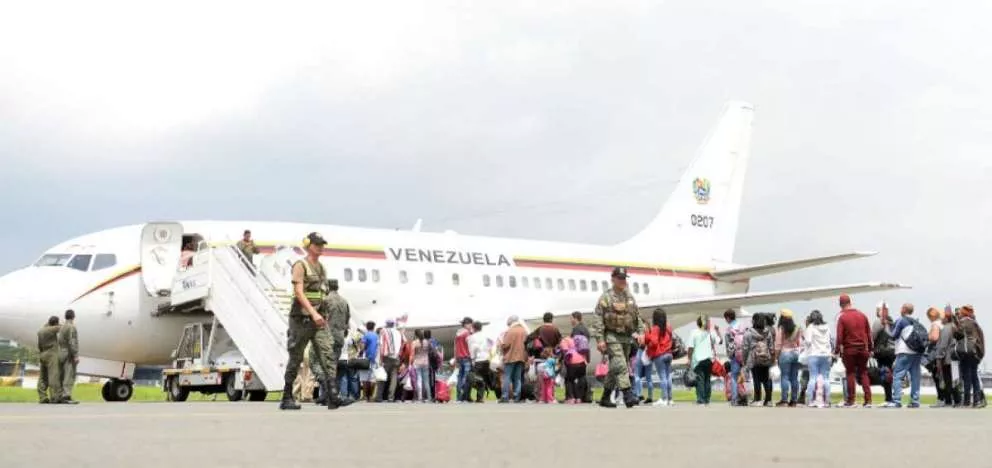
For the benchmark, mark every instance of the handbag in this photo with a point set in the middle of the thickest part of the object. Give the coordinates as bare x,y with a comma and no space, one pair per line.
358,364
380,374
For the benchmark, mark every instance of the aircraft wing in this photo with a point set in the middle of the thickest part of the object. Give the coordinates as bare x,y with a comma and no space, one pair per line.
740,273
771,297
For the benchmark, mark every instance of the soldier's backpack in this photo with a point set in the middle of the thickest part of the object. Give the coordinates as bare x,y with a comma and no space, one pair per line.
760,354
917,339
737,335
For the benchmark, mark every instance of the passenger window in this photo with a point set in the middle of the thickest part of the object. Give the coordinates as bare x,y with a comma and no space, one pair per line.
80,262
594,286
513,281
524,282
499,281
561,284
637,288
537,282
430,277
104,261
647,290
606,285
455,280
486,281
362,276
571,285
375,276
582,285
403,277
547,284
348,274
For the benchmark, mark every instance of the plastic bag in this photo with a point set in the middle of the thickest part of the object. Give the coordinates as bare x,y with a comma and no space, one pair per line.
380,374
532,373
407,383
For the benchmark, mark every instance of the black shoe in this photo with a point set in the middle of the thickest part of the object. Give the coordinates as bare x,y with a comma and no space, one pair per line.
629,399
289,404
69,401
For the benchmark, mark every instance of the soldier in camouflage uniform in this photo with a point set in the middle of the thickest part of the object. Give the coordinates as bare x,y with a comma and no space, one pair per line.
68,355
307,318
339,315
616,327
49,377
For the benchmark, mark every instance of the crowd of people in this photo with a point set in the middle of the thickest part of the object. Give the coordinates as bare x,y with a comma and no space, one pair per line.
389,364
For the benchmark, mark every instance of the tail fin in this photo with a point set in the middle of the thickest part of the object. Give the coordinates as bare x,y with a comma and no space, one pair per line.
698,223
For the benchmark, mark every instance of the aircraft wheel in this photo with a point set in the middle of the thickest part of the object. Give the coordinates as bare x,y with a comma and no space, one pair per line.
177,392
233,394
257,395
121,390
105,392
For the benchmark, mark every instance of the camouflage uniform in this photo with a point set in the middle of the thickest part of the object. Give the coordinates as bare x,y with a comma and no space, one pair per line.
302,330
68,352
339,315
49,375
614,322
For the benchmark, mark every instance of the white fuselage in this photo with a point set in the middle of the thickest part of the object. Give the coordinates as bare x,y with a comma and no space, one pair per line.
433,279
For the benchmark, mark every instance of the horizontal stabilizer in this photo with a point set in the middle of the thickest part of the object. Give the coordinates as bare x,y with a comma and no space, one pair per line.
737,274
772,297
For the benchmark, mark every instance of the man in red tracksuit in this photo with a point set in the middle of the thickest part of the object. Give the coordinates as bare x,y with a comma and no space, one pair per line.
854,347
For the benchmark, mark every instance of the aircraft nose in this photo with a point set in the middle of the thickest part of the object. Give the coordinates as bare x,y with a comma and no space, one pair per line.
13,305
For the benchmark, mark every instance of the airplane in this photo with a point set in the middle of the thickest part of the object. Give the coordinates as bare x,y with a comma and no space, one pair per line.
681,261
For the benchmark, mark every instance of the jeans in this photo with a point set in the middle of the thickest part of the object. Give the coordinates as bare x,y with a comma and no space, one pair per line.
788,363
513,374
907,363
970,380
642,375
819,366
735,372
347,381
704,387
423,383
663,364
464,368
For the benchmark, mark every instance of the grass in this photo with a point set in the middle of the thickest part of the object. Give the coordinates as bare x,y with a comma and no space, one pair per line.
142,394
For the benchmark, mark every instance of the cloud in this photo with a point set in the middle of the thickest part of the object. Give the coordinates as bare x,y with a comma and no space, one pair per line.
553,120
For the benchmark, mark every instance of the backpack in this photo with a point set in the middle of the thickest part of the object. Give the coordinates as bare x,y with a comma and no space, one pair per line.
737,335
581,343
760,354
433,356
883,346
533,344
917,339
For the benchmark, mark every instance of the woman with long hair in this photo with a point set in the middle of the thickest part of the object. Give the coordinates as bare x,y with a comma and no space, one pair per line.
759,346
658,342
421,366
819,348
788,341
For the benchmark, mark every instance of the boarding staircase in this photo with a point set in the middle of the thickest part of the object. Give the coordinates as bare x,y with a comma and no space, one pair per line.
250,306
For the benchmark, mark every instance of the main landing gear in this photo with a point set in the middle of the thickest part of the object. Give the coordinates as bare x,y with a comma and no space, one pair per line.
117,390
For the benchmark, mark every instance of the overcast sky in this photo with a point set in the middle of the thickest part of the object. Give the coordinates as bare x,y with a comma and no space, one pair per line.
554,120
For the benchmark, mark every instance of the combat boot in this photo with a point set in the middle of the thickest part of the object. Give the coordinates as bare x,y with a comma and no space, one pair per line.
604,400
321,394
288,403
342,402
629,399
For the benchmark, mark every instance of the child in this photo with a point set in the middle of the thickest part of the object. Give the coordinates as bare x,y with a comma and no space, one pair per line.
548,372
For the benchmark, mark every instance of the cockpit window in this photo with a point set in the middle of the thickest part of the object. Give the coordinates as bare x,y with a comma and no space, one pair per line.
80,262
104,261
53,260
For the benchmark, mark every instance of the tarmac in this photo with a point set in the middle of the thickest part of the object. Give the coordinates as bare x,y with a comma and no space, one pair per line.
222,434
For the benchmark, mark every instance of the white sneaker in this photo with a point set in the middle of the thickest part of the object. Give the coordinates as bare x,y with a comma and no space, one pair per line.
660,403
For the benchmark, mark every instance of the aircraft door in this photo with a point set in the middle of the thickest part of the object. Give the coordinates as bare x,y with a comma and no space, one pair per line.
161,249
